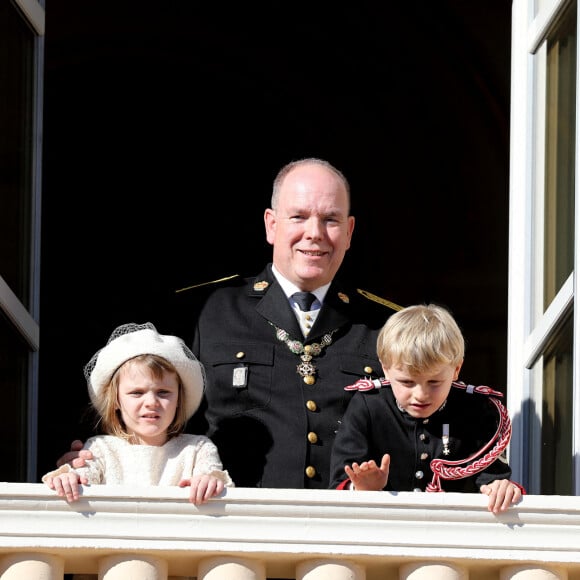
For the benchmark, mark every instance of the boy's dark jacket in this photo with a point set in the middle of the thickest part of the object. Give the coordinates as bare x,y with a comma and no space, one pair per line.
373,425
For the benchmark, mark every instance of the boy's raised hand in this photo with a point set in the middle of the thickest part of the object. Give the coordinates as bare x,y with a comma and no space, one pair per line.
368,476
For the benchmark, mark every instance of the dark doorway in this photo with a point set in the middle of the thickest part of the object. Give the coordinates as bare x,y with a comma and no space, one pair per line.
166,122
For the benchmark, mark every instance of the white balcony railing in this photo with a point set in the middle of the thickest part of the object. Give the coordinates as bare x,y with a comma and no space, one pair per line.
154,533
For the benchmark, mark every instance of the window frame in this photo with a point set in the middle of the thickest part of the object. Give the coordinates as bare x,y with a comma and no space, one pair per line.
24,319
530,328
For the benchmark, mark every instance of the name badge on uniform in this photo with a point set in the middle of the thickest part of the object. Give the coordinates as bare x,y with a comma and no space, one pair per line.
240,377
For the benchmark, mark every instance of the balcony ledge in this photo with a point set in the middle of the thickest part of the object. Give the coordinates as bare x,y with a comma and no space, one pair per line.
283,527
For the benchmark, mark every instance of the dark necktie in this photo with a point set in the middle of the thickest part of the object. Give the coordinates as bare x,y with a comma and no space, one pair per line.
304,300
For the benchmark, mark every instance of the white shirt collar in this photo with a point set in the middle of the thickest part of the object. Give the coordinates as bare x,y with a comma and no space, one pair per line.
289,288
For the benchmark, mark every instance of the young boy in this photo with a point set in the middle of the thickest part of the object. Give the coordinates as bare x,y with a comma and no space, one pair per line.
423,424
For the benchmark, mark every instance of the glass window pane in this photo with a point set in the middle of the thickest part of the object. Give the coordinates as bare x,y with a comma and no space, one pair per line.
13,386
557,419
16,146
560,151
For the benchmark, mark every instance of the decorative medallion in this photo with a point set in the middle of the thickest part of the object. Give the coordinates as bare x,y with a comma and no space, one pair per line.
344,297
306,368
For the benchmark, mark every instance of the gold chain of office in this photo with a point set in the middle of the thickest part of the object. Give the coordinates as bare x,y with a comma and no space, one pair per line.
306,369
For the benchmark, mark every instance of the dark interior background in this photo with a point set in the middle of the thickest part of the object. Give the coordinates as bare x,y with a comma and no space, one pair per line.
165,124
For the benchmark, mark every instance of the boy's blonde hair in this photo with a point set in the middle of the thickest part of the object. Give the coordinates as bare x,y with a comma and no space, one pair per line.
420,337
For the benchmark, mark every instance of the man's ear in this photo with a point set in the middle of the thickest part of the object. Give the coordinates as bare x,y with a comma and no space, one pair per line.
270,225
351,221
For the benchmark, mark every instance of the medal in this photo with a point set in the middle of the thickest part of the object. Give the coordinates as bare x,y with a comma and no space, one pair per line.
306,368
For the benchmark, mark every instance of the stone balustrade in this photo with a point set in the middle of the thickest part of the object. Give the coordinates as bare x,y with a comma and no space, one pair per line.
154,533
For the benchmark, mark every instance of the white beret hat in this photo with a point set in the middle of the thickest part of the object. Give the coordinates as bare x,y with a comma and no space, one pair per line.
130,340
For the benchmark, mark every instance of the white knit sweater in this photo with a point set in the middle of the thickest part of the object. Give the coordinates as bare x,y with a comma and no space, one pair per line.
117,461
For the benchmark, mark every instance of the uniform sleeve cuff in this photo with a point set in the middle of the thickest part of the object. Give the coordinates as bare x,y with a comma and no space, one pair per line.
346,484
520,487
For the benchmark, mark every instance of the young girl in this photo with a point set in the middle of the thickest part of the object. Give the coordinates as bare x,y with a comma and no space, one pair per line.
145,386
419,424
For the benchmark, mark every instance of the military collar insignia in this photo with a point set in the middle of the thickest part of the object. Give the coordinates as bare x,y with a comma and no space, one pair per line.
344,297
261,286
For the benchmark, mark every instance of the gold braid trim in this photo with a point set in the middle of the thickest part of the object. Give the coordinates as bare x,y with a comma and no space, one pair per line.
378,299
207,283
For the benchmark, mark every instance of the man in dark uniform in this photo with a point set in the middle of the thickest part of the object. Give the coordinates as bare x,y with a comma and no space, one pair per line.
276,371
273,415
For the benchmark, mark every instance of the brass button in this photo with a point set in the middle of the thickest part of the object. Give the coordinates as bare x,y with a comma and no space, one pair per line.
309,380
312,437
422,436
424,456
368,370
240,354
419,474
308,317
310,471
311,405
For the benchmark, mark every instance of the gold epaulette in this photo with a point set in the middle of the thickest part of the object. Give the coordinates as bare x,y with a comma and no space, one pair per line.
378,299
207,283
